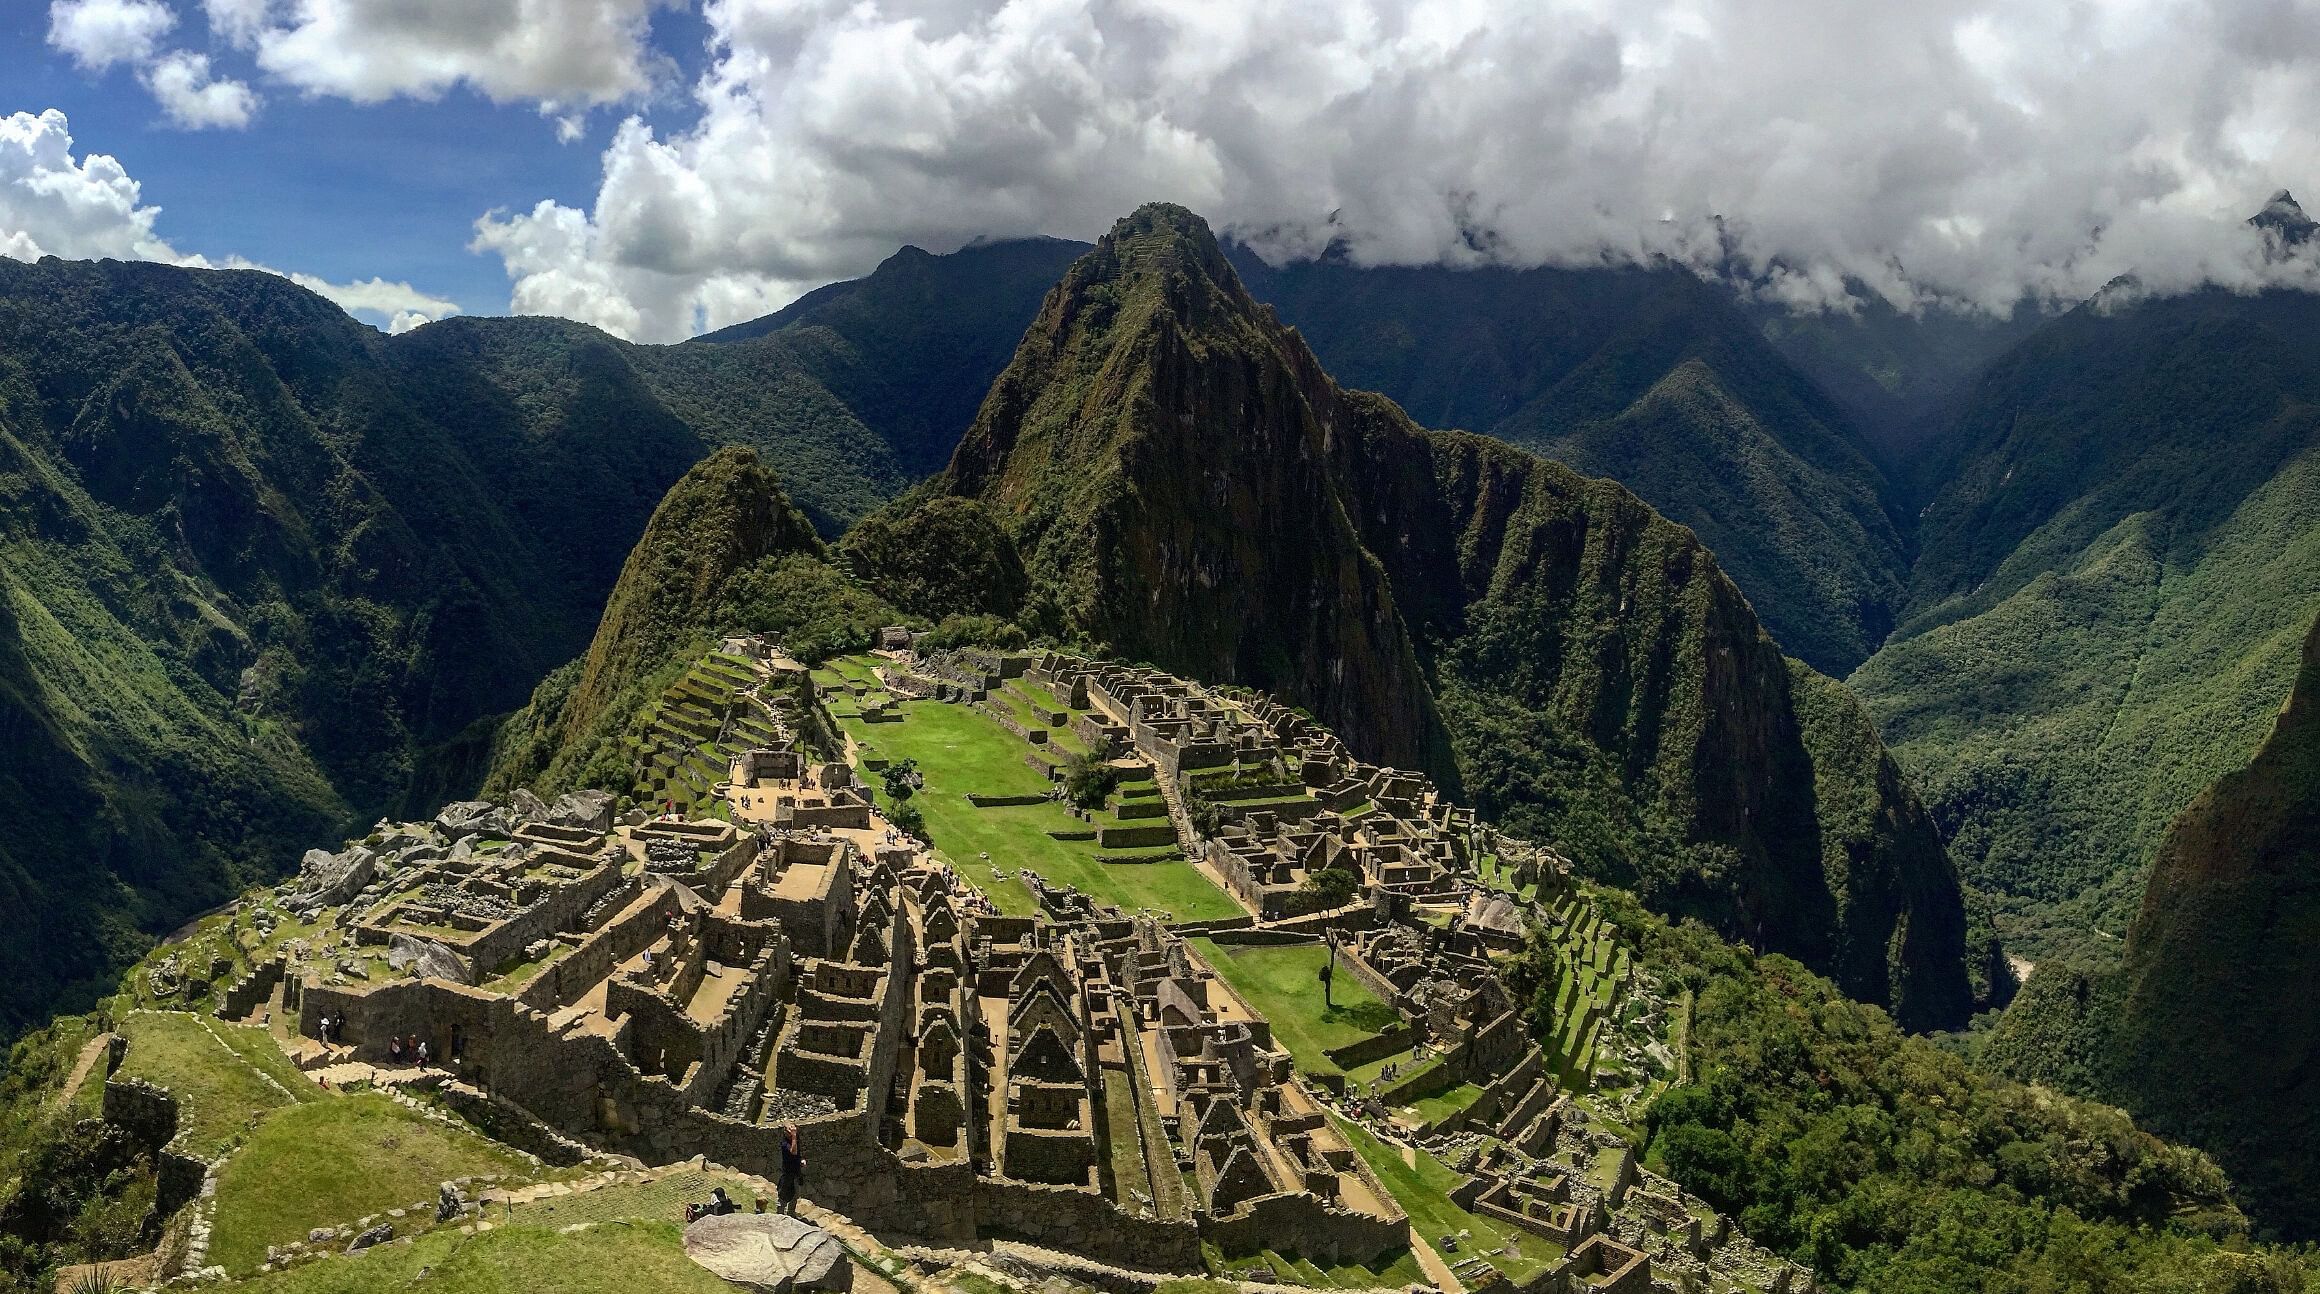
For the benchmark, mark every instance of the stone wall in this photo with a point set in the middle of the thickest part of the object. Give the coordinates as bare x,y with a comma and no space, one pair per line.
631,932
1393,1042
1309,1226
251,989
1081,1222
148,1113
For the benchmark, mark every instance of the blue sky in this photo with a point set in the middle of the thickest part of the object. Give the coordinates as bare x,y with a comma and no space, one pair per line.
320,185
658,167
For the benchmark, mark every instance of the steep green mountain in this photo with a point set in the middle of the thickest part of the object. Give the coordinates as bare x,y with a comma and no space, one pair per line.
2201,1025
1186,485
2220,1035
1652,377
2112,592
266,569
911,348
724,552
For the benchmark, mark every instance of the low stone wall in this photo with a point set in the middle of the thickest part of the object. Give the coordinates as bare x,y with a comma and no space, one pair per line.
251,989
148,1113
1136,837
1303,1223
1264,935
1376,1047
1004,801
511,1125
1079,1222
564,979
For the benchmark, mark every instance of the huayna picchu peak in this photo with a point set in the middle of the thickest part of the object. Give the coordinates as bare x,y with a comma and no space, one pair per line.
1187,486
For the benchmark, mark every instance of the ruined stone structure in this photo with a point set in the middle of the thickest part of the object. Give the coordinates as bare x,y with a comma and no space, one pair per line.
1081,1079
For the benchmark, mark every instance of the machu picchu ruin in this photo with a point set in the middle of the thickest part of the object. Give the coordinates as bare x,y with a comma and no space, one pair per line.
1161,978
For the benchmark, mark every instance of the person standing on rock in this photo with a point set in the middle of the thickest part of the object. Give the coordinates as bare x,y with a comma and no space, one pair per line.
793,1169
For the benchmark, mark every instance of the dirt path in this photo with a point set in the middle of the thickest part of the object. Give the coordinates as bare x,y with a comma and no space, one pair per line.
90,1051
1431,1263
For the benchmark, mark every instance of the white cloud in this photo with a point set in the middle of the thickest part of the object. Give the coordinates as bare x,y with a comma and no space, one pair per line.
100,33
191,97
1946,151
398,307
53,203
574,52
237,22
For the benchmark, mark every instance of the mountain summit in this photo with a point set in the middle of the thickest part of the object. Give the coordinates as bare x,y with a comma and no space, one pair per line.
1185,485
2283,218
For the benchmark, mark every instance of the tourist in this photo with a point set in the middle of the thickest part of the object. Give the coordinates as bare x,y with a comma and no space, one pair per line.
793,1169
422,1054
395,1050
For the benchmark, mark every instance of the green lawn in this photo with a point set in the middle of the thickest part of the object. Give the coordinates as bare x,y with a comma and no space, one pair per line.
331,1161
642,1257
1282,981
1433,1109
1423,1190
219,1093
960,751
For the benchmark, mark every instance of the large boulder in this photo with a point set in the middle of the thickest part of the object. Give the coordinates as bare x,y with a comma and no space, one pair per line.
769,1252
326,879
527,807
471,818
584,810
431,959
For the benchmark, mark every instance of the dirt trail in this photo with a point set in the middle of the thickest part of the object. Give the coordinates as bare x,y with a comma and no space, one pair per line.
90,1052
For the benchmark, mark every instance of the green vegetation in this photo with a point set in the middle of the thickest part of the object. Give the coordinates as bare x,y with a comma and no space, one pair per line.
1423,1189
330,1161
625,1257
1283,983
222,1091
1888,1164
1648,376
2202,1026
724,553
936,556
960,752
74,1190
2107,609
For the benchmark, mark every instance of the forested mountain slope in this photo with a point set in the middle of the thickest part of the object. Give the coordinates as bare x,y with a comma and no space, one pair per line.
2114,585
2204,1026
265,567
1649,376
1185,484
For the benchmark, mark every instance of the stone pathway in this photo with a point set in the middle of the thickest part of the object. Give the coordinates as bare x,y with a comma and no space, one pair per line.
91,1051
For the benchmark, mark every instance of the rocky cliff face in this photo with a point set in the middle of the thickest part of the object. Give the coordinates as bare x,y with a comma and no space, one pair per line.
2219,1033
1186,485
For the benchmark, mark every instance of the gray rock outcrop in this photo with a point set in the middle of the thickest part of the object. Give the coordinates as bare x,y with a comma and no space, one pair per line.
432,960
327,880
769,1252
